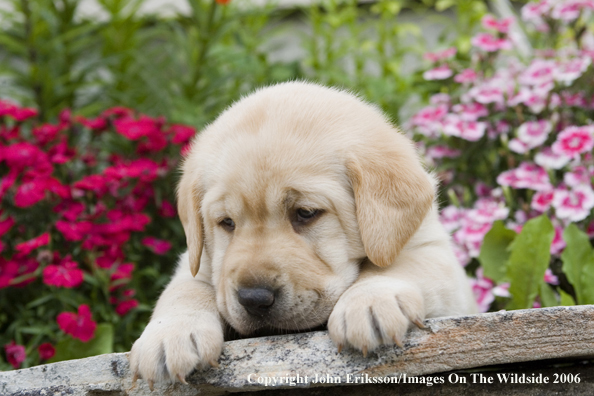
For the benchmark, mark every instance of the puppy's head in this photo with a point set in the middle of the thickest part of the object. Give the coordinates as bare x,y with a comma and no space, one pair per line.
285,194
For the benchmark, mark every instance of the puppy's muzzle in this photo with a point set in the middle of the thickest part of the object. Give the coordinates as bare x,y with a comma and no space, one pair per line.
256,301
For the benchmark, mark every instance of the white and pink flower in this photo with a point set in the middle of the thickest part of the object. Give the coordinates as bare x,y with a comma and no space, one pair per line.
441,55
500,25
542,200
575,204
578,175
489,43
471,111
466,76
488,210
438,73
442,151
549,159
527,175
534,133
488,93
454,125
569,71
574,140
428,120
484,290
539,72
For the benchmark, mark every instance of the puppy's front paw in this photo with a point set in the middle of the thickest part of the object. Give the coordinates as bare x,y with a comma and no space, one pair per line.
375,312
171,347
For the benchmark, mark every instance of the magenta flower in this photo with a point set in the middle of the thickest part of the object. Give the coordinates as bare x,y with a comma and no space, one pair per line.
46,351
439,73
574,205
557,247
79,325
574,140
158,246
182,134
125,306
490,43
27,247
124,271
74,231
135,129
167,209
15,354
65,274
6,225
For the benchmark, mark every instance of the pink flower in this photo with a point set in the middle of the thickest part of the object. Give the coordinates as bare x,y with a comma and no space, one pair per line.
46,351
29,193
471,235
490,43
542,200
574,140
79,326
484,290
428,120
454,125
486,94
440,98
518,146
46,133
501,25
557,246
550,278
15,354
451,217
551,160
574,205
27,247
439,73
465,76
534,133
487,210
441,151
539,72
158,246
578,175
569,10
125,306
470,111
66,274
567,72
525,176
96,124
440,55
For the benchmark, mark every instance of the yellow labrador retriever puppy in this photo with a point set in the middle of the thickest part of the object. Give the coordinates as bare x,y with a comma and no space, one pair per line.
301,205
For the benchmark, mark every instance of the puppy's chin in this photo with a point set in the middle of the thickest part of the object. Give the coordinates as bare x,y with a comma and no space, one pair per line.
279,320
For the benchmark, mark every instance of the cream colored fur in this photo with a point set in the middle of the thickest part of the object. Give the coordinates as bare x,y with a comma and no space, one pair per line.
375,259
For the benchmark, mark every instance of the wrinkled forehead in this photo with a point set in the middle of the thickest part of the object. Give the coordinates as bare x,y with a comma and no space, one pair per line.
261,178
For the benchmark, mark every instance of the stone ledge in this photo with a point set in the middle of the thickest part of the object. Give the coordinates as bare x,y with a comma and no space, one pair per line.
448,344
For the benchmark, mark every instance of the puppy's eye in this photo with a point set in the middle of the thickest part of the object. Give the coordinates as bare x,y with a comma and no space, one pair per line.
227,224
305,215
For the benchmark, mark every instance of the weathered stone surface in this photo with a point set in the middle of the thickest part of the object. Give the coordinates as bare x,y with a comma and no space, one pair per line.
448,344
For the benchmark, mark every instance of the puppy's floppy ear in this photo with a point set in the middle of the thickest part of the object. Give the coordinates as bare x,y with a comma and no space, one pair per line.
188,207
393,194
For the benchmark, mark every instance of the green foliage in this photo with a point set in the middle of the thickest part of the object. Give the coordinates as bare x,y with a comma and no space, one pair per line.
71,348
495,251
528,261
578,263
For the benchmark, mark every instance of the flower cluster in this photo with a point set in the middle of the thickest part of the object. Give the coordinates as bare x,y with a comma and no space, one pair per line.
512,136
86,202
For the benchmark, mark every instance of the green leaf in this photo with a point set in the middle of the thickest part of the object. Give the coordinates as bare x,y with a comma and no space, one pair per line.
548,298
566,299
529,259
71,348
494,251
578,263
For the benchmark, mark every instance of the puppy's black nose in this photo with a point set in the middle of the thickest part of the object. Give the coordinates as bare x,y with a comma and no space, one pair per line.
256,300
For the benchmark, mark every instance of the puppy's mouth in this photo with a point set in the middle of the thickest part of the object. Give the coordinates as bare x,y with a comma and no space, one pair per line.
262,311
